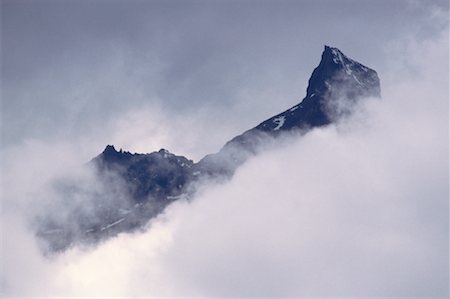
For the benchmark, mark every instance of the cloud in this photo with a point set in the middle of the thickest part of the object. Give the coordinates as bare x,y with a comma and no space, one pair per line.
357,209
207,61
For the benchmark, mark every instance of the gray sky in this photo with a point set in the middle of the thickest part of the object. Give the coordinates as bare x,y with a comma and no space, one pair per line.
73,69
362,201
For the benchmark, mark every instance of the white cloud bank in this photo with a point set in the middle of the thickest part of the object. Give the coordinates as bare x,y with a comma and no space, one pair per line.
355,210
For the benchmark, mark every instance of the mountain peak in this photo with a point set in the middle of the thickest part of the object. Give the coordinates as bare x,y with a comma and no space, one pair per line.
336,70
335,54
338,81
109,149
154,180
110,154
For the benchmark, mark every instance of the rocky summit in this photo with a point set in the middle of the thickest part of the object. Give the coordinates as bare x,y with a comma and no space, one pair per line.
133,188
336,86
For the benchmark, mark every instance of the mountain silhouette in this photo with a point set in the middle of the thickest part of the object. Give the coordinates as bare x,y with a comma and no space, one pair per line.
137,187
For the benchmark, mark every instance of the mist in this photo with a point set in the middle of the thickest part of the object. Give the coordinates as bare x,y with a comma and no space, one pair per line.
359,208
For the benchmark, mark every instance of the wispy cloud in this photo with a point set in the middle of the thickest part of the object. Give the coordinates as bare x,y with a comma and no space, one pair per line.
357,209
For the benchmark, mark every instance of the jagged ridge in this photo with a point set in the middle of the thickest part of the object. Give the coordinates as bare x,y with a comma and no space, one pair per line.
335,86
152,181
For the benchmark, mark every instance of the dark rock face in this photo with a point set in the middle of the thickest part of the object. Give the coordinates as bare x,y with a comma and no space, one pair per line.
335,87
129,190
160,175
338,82
137,187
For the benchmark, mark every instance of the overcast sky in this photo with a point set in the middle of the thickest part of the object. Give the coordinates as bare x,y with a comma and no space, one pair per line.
211,69
354,209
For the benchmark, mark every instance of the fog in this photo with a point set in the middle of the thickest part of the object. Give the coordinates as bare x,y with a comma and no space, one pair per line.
359,208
